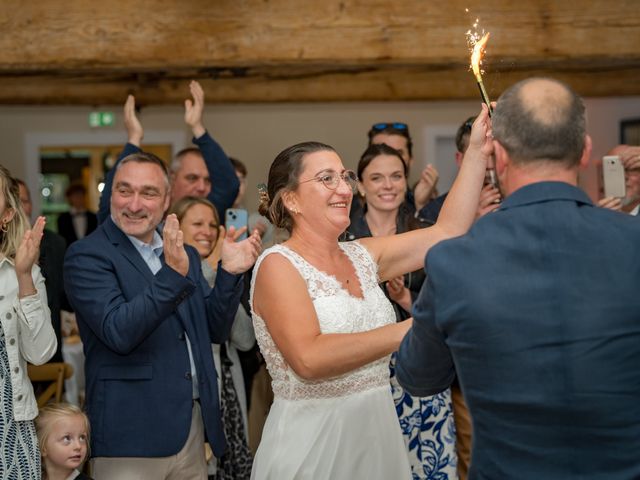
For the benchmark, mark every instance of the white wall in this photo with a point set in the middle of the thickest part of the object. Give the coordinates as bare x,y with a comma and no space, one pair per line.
255,133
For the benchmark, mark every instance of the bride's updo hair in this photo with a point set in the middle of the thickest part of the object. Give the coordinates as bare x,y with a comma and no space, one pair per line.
284,175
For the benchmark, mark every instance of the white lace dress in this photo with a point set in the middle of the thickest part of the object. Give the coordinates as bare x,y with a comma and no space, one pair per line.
345,427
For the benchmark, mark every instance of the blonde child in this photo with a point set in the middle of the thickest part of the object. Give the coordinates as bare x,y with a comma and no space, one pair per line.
63,437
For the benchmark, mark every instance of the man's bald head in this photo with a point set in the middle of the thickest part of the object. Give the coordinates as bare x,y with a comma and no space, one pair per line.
540,119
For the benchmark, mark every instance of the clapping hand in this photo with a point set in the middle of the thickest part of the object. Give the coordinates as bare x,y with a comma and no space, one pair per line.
193,109
134,128
238,257
26,255
425,186
29,248
175,255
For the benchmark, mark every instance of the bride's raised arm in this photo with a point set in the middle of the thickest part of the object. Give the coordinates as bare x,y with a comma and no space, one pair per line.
399,254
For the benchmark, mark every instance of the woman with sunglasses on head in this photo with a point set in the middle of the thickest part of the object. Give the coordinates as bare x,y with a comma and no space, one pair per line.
427,423
26,334
325,327
201,229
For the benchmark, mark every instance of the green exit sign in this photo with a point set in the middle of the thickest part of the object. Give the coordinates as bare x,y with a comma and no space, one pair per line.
101,119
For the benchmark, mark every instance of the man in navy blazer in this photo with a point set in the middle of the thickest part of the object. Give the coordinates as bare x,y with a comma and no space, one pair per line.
147,320
537,309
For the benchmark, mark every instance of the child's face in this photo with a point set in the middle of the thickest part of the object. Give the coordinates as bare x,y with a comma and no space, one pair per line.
66,446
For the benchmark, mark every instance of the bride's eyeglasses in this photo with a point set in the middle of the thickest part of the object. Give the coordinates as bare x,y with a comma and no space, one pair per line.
331,179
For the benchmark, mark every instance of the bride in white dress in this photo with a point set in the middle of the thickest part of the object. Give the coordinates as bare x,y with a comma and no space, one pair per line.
323,324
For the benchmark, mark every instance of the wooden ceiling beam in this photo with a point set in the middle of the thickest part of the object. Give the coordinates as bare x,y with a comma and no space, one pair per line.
84,52
365,85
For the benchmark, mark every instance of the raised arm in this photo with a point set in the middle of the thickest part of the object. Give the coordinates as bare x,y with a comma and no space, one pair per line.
282,301
399,254
224,182
135,134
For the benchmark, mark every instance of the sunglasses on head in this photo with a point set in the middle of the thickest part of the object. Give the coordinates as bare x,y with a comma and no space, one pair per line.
469,123
394,125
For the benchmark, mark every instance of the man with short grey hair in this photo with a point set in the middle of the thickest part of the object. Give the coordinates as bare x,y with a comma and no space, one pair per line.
537,308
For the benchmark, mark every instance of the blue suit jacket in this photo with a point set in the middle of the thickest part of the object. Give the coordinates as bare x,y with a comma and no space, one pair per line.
537,308
133,325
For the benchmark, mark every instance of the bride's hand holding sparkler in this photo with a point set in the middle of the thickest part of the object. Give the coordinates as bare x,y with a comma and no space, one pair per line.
480,139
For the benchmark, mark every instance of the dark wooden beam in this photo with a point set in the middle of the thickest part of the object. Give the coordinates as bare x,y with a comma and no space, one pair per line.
84,52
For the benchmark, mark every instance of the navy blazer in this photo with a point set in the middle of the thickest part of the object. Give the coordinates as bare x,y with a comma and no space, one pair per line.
133,324
538,310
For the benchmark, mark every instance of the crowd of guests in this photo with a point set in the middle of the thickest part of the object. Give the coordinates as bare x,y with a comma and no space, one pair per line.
164,297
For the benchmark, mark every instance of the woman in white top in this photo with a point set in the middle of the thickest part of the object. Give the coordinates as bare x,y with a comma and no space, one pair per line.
26,334
324,326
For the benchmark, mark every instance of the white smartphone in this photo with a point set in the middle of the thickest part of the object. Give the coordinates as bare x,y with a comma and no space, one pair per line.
236,217
613,176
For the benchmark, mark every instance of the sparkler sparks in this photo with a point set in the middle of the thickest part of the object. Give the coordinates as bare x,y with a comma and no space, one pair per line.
477,42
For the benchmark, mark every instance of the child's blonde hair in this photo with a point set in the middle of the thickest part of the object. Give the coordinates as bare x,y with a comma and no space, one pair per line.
52,412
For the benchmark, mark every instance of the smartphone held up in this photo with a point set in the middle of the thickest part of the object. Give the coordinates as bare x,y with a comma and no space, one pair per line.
613,176
238,218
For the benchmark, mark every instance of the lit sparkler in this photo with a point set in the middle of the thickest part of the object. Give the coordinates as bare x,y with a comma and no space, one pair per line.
478,48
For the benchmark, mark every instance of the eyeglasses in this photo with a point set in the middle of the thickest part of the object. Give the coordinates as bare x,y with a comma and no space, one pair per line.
394,125
331,179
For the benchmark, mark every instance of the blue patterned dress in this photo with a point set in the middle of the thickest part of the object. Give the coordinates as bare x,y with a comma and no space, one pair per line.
19,454
427,423
428,430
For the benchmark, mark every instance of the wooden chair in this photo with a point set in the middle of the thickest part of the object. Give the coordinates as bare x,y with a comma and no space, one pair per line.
56,373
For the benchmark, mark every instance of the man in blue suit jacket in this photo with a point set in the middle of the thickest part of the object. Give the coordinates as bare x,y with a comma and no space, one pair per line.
147,320
537,308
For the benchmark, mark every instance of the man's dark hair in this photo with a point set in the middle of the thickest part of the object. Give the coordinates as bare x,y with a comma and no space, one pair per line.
550,126
463,133
238,166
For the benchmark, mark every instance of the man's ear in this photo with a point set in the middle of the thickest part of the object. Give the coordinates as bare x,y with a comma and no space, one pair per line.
501,158
167,201
459,157
586,153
